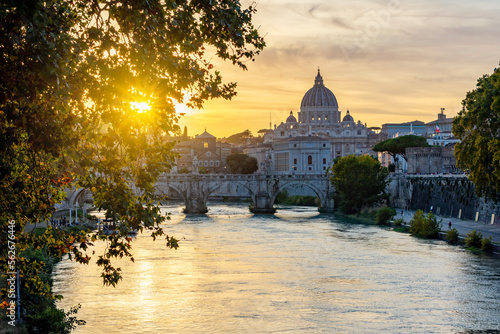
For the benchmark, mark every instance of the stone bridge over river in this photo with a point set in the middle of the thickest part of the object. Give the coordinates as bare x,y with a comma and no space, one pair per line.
452,195
195,189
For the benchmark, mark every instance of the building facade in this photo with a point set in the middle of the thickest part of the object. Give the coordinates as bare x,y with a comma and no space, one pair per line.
393,130
428,160
203,153
320,117
301,155
431,160
441,126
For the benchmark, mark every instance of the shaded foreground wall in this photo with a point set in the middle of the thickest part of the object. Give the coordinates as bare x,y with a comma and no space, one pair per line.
445,195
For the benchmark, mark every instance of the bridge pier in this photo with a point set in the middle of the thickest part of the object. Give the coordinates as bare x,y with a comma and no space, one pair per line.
262,204
264,193
195,193
195,205
327,205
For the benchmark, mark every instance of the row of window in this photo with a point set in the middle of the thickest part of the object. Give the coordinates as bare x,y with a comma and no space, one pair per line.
309,160
282,133
295,145
319,118
207,163
309,168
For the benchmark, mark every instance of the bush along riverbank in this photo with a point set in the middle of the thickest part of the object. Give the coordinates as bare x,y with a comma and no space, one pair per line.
38,310
427,227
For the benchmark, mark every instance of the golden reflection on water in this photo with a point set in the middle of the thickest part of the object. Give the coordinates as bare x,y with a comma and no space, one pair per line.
293,272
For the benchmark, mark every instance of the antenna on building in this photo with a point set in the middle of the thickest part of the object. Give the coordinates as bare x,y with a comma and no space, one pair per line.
270,125
442,111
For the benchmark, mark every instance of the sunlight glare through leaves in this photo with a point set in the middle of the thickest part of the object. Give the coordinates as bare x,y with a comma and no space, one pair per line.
180,107
140,106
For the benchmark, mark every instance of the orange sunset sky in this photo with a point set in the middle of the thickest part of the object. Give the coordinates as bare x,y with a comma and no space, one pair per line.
385,61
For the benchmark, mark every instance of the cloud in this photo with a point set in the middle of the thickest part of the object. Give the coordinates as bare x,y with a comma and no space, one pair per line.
380,58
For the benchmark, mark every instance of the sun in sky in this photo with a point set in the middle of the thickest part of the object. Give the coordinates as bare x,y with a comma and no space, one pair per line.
387,61
140,106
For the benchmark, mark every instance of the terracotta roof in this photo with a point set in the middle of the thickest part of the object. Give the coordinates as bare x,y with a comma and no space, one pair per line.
205,135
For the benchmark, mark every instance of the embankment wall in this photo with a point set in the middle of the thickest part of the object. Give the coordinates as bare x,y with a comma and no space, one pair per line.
445,195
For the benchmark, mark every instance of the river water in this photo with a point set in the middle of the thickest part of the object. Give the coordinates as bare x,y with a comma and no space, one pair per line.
297,271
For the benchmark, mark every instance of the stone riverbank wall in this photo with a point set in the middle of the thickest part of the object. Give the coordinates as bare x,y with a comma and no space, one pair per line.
445,195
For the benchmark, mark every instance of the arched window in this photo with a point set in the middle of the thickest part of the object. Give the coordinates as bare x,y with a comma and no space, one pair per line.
310,160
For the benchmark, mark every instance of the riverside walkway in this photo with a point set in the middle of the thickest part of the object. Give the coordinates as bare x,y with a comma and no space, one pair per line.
463,226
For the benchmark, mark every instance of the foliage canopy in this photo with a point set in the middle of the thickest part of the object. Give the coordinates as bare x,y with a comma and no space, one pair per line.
240,163
398,145
359,182
240,138
71,71
477,126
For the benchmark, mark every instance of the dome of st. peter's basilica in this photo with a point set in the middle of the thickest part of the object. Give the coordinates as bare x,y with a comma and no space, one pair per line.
319,96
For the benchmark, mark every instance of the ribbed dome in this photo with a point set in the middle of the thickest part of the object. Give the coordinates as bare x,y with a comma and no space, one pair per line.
319,95
347,117
291,118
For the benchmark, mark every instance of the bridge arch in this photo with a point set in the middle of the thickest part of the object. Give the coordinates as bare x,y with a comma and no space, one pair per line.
263,189
166,189
320,193
75,197
194,191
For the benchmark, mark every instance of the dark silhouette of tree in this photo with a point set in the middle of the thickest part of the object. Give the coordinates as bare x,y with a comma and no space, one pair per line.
87,100
359,182
397,146
477,126
240,163
240,138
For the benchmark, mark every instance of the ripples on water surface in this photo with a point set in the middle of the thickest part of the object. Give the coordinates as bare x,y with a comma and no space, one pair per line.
296,271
